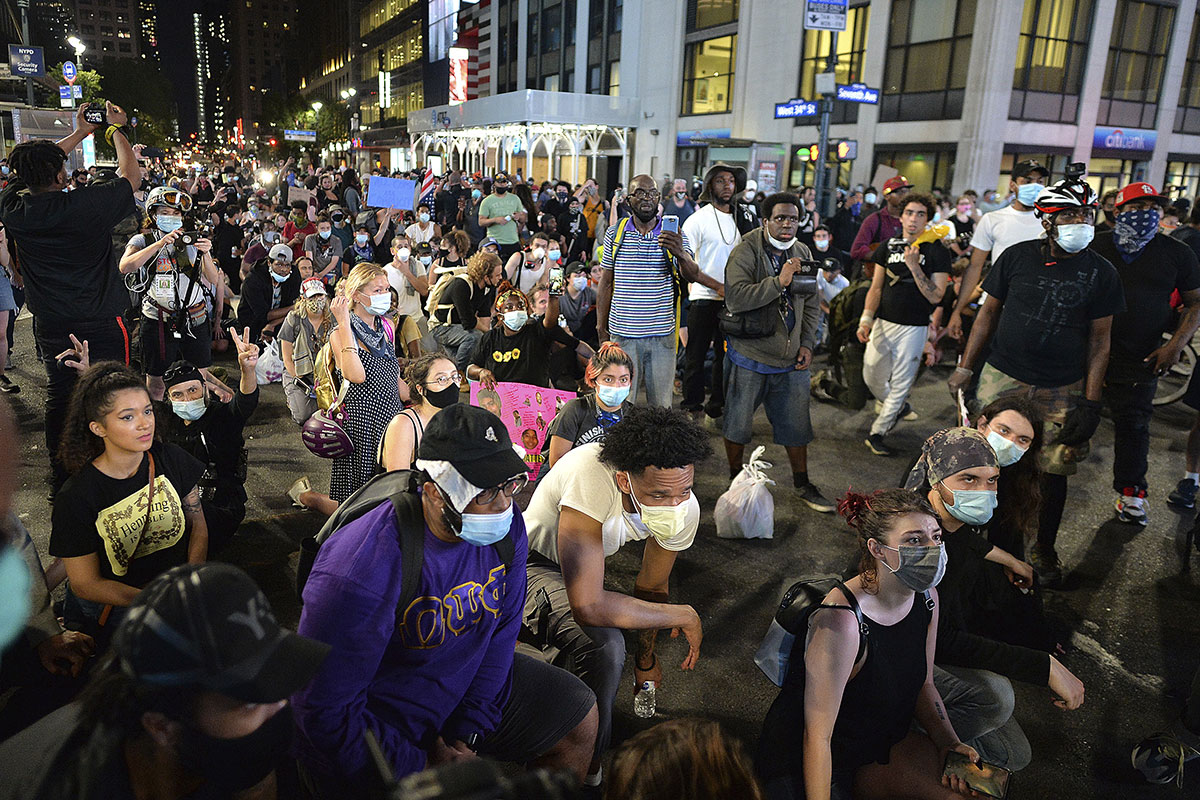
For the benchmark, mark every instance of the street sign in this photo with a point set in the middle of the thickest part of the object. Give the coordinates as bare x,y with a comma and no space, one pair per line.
795,108
133,122
64,96
857,93
825,15
27,62
300,136
69,72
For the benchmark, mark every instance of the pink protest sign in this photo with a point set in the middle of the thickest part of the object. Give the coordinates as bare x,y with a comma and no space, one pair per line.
526,412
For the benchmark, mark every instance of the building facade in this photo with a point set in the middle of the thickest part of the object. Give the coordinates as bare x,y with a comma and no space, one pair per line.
109,29
264,57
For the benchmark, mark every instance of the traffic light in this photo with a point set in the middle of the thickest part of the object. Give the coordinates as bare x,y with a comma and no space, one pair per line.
847,150
809,153
272,142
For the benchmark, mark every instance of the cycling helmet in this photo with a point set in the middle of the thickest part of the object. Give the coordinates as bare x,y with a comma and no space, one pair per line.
171,198
1067,193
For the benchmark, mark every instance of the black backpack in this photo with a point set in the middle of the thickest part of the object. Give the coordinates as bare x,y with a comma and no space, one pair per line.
400,489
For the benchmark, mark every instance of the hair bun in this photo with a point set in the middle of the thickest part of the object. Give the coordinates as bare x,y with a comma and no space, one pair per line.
853,506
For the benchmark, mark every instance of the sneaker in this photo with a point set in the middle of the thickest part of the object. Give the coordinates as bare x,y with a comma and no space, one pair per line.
906,413
819,389
298,488
875,444
1160,758
1131,509
1184,495
7,386
1047,569
811,496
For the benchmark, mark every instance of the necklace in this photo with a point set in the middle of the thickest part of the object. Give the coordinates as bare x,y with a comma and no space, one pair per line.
721,230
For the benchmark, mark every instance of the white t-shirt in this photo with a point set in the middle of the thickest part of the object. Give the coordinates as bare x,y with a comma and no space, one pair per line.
713,234
581,482
830,289
1000,229
527,275
410,300
162,290
416,235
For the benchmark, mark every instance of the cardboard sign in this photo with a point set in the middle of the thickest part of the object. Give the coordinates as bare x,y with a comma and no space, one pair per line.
526,412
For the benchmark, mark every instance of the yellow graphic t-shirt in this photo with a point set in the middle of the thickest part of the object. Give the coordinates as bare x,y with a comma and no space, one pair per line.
124,530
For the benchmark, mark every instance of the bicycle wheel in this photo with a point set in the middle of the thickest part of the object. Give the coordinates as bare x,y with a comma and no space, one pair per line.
1174,384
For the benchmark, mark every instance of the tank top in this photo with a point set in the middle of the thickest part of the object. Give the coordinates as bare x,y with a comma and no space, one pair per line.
878,703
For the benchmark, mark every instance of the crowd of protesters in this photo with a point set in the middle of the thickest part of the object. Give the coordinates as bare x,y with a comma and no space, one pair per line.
161,293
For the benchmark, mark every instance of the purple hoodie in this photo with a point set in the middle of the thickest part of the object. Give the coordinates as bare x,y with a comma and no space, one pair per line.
443,669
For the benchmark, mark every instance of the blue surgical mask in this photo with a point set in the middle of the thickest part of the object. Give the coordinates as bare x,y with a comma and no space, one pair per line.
4,170
1027,194
555,255
1007,452
822,244
921,568
476,194
380,304
579,282
973,506
361,239
167,223
325,234
279,278
190,410
870,197
14,595
515,320
1074,238
424,218
425,260
612,396
482,530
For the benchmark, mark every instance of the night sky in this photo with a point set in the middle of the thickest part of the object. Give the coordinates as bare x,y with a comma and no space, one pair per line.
178,58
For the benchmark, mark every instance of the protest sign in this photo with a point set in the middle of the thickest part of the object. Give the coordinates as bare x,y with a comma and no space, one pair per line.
391,193
526,412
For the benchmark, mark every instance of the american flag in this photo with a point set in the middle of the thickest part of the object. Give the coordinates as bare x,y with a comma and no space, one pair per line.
427,187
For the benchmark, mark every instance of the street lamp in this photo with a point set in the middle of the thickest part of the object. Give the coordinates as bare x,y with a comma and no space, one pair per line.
77,44
317,105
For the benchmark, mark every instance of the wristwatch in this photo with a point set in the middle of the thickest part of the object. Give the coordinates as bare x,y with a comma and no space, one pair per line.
473,741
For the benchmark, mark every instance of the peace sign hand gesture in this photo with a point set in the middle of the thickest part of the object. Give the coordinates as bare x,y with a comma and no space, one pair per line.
247,351
77,357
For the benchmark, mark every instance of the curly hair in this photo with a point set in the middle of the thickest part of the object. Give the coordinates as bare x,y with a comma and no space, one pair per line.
1019,491
780,199
649,436
90,401
37,162
460,240
682,758
480,265
610,354
871,516
923,199
418,371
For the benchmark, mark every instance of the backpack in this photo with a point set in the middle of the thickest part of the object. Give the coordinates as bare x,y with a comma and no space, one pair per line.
327,386
841,312
433,303
400,489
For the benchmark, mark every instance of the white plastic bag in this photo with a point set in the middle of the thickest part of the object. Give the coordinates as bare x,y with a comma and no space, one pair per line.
269,368
747,510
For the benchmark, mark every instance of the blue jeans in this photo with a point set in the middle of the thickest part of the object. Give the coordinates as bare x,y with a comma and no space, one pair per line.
459,342
784,395
653,366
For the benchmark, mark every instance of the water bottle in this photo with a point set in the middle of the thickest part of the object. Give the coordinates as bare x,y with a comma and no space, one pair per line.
643,701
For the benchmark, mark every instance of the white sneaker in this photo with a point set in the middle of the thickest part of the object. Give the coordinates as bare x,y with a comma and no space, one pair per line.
1131,510
298,488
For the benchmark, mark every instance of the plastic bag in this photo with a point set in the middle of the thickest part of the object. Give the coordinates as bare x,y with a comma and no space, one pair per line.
746,510
269,368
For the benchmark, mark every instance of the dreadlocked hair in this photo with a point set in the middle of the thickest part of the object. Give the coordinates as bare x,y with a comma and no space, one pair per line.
91,399
610,354
37,162
872,516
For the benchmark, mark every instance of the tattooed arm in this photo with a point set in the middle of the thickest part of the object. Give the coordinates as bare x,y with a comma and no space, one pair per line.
197,527
931,288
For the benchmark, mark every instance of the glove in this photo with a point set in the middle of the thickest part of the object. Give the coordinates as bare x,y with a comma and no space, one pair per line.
1080,424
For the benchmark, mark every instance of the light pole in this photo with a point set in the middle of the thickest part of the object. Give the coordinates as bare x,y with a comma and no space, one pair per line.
79,48
24,6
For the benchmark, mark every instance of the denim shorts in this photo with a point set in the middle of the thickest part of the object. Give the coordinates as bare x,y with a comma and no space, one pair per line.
784,395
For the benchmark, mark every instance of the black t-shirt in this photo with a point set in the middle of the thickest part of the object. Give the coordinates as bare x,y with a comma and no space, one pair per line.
961,227
579,422
901,301
1164,266
469,302
1189,236
523,358
216,439
1049,304
64,242
94,513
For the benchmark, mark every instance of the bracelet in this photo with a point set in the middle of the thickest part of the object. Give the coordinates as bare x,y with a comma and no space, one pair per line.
653,664
351,348
964,370
108,134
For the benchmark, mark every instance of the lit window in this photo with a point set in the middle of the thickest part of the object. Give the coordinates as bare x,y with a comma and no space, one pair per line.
707,75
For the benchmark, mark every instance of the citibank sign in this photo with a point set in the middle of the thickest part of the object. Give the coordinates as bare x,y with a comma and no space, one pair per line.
1124,139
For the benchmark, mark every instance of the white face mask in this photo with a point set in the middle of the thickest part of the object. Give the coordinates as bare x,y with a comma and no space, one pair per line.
778,244
537,254
515,320
403,253
579,282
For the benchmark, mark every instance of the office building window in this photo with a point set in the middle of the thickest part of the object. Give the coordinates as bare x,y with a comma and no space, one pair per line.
1187,117
1137,55
925,169
614,78
550,83
852,46
708,75
1050,59
703,14
615,12
929,47
1183,178
552,29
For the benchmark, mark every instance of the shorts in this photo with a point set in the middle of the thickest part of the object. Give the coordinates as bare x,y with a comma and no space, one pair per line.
161,348
7,301
545,703
1054,403
784,395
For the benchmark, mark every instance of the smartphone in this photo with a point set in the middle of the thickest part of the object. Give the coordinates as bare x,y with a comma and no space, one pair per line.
670,223
989,779
556,281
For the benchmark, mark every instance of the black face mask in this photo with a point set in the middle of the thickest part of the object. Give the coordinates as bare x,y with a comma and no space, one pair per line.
237,764
501,190
443,398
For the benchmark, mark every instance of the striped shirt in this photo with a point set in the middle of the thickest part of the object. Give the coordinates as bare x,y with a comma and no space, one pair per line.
643,302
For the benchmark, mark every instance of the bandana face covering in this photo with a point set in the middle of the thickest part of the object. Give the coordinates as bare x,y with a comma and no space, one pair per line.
1134,229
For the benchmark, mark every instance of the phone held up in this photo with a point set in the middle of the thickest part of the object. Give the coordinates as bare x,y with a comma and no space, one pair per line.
556,281
670,224
987,779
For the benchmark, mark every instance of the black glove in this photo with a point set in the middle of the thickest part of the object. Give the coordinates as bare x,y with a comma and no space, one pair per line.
1080,424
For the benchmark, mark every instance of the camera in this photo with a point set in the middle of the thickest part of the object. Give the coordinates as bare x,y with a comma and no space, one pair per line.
1076,169
804,281
201,231
95,113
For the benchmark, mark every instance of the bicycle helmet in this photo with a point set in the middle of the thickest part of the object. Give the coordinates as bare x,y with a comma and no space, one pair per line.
171,198
1067,193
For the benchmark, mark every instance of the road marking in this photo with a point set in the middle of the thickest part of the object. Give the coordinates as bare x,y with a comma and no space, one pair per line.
1088,645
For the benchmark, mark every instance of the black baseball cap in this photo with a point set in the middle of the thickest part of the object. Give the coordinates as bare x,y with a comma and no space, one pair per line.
576,266
181,372
424,248
209,626
475,442
1023,169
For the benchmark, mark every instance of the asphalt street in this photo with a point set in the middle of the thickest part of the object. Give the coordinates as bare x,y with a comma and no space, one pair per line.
1130,598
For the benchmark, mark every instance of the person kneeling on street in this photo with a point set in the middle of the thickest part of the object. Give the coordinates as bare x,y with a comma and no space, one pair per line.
191,702
435,679
212,432
634,486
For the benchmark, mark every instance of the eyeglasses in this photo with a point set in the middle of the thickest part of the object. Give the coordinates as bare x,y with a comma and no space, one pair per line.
510,487
645,194
445,380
